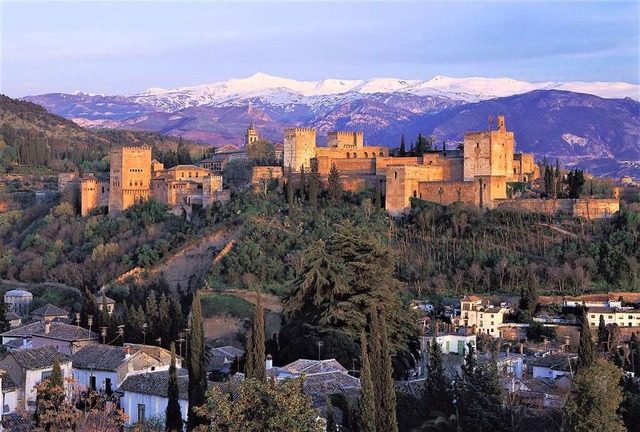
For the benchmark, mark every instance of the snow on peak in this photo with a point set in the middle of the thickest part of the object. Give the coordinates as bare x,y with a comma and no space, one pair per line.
278,90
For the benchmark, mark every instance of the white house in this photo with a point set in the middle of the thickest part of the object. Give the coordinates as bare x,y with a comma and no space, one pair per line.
554,366
145,395
624,317
105,367
478,313
28,367
9,394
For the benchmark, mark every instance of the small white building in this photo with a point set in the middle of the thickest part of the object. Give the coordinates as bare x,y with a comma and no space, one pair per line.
9,394
624,317
28,367
554,366
19,301
111,303
451,343
104,367
65,338
146,395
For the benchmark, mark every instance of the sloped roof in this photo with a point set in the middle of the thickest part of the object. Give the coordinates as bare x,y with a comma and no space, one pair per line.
18,293
49,310
557,362
13,344
99,357
471,298
307,367
109,300
57,330
157,384
601,310
10,316
227,149
221,357
38,358
329,382
8,384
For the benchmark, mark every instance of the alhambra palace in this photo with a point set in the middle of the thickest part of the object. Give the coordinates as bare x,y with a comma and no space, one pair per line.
477,173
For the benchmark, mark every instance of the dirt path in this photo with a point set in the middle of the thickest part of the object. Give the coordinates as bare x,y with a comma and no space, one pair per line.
189,267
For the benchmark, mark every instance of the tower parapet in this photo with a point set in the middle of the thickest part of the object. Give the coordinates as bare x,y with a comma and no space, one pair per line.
344,139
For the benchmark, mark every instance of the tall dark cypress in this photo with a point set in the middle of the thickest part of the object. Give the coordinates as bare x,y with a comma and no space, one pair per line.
403,147
197,365
586,349
366,400
256,360
388,397
173,413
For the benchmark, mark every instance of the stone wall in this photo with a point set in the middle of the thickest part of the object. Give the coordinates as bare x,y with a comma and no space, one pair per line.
130,176
449,192
342,139
585,208
260,174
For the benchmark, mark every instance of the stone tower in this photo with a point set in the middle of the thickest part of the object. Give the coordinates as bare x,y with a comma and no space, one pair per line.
252,134
488,153
299,148
130,176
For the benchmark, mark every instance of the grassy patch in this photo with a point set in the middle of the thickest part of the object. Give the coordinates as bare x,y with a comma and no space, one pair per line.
220,304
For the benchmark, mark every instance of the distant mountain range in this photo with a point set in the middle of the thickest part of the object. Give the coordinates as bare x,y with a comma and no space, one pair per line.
595,126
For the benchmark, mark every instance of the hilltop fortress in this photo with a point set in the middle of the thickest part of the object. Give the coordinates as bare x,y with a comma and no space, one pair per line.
476,174
134,177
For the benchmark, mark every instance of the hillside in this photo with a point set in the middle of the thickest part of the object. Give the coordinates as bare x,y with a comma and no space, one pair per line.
32,137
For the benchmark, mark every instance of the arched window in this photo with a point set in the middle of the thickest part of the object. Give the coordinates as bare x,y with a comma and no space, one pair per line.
381,154
415,194
355,155
348,156
102,189
395,174
366,155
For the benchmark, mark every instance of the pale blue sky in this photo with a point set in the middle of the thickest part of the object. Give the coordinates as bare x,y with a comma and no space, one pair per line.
121,47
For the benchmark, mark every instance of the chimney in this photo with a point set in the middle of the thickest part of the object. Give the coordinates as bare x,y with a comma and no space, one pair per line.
508,349
47,326
269,362
127,352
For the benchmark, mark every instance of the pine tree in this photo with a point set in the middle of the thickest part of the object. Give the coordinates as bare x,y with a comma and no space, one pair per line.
197,365
177,320
256,359
403,149
595,399
586,349
419,145
378,195
173,413
366,400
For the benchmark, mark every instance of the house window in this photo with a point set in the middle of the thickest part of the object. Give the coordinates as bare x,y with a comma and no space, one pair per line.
107,386
141,410
593,316
395,174
92,382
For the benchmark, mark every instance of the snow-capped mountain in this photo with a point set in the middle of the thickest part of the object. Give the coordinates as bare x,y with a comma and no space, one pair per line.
593,125
282,91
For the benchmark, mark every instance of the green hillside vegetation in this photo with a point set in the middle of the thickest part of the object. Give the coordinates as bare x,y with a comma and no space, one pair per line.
32,140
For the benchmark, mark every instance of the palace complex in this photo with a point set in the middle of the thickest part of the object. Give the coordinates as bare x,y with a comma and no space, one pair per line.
476,174
134,177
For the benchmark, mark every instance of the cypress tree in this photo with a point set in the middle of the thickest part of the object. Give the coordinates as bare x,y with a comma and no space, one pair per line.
378,195
586,349
335,190
173,413
151,312
331,422
104,320
55,379
388,397
290,197
403,148
602,334
314,182
366,401
376,371
256,366
197,365
437,395
164,324
303,184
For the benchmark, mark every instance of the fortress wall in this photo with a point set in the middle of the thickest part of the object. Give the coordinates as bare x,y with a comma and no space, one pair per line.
446,192
383,162
596,208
